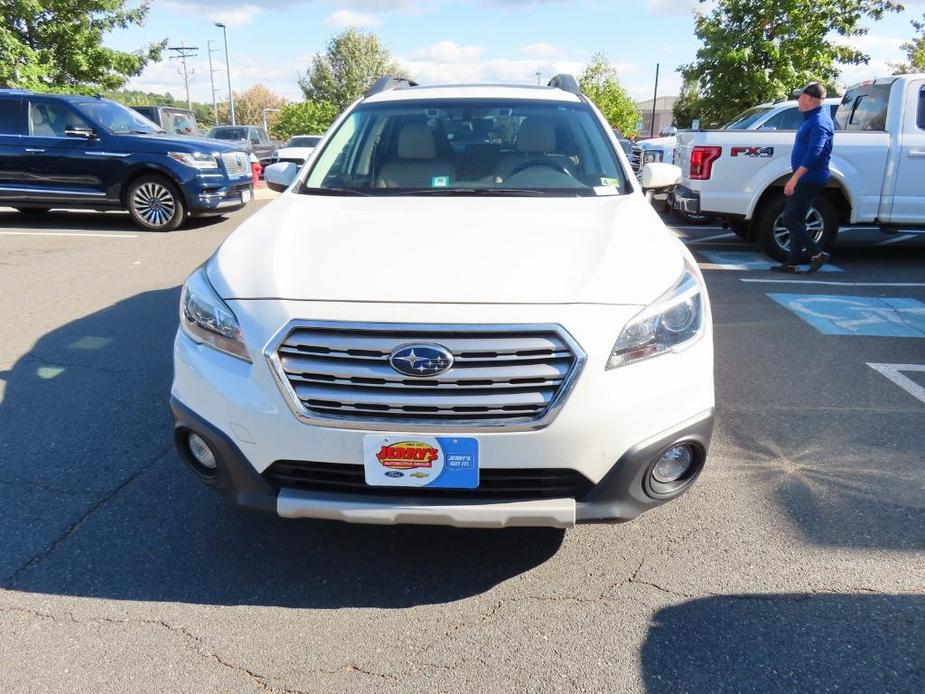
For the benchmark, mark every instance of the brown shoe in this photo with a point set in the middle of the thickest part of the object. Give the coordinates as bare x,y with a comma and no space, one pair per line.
817,261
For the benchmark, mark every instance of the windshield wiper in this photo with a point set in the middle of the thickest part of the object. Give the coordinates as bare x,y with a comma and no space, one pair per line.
334,191
514,192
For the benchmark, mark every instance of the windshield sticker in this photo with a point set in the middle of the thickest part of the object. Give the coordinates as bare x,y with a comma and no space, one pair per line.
439,181
615,182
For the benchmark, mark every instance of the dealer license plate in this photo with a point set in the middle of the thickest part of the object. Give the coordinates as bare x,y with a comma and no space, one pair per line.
436,462
245,196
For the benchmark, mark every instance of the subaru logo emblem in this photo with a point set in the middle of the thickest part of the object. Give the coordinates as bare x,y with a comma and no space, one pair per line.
421,360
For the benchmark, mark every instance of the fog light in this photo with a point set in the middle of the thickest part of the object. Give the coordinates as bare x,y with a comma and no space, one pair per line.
673,464
201,452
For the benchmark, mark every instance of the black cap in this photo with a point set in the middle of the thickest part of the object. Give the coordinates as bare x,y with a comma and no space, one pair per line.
815,90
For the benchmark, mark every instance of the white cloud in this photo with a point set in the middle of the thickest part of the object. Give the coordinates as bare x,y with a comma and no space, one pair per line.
677,8
349,18
232,16
448,52
541,50
499,70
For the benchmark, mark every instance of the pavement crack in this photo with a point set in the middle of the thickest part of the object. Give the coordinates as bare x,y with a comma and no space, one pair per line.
38,358
76,525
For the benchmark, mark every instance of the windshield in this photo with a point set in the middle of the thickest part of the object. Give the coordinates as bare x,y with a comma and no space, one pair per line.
303,141
744,120
228,133
116,118
463,146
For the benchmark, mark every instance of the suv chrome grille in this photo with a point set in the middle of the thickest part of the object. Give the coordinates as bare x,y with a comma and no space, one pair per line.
236,163
636,158
501,375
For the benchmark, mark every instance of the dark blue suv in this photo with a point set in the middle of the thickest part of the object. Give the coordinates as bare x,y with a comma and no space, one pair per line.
92,153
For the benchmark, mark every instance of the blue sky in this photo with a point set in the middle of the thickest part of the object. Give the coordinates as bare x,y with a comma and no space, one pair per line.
271,42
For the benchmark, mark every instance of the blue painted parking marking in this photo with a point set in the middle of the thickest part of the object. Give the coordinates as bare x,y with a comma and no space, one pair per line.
748,260
857,315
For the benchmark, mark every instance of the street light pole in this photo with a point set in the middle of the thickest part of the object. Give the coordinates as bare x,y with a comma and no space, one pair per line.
654,103
264,112
228,70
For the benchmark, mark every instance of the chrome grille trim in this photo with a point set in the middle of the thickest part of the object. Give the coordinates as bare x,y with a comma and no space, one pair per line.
337,374
232,163
636,159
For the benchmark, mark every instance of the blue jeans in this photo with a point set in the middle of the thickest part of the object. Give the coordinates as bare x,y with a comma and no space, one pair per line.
794,218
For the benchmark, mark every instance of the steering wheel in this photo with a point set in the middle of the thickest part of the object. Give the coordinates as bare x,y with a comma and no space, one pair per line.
530,163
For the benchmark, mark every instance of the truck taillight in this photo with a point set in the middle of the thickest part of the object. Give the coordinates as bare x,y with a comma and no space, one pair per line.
702,159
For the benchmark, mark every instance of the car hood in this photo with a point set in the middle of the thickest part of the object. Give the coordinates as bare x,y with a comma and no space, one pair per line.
504,250
163,142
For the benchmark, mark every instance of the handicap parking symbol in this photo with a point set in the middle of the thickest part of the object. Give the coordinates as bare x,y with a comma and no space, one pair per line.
748,260
857,315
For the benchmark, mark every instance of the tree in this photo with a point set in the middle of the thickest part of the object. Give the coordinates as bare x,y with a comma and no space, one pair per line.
249,106
352,62
687,108
57,45
600,84
915,51
760,50
304,118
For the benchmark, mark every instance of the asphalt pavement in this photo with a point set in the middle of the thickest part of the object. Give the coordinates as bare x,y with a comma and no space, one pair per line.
796,563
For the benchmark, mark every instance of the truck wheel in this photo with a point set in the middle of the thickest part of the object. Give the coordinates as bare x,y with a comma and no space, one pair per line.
773,237
155,204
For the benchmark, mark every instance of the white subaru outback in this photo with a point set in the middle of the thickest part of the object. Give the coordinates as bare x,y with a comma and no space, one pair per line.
461,311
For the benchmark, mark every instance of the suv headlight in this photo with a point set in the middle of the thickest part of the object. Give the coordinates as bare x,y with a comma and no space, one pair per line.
674,322
195,160
206,319
652,155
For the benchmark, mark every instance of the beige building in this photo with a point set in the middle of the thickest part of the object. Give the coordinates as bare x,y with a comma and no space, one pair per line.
663,114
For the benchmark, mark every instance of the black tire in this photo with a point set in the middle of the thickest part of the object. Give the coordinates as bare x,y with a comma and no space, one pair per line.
775,241
155,204
33,210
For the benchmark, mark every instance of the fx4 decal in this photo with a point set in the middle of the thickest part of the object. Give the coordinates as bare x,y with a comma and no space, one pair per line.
752,151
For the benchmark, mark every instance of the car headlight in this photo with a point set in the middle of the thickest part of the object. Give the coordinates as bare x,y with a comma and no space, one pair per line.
206,319
195,160
672,323
652,155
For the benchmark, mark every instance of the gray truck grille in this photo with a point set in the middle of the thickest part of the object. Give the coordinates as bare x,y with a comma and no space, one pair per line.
636,158
236,163
502,376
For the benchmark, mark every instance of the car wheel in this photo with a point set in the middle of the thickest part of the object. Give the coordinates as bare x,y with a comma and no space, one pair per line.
33,210
155,204
774,238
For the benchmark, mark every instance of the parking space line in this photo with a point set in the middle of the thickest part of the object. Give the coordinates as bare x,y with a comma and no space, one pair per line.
834,284
715,237
892,372
67,233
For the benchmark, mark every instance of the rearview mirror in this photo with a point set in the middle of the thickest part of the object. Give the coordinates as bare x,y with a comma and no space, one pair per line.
280,176
659,176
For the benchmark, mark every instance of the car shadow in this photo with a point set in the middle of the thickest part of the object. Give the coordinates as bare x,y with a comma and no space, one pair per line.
97,503
71,220
787,643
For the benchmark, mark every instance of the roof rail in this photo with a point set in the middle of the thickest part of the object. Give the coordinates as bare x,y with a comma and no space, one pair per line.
565,82
13,90
388,82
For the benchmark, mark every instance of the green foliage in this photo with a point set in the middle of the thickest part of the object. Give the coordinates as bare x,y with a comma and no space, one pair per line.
249,106
915,51
687,108
57,45
760,50
600,84
352,62
304,118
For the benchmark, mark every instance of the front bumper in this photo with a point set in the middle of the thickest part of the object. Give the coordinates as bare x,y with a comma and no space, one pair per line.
621,495
221,195
685,200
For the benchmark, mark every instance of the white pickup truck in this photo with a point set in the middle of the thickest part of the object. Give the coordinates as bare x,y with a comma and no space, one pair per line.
878,169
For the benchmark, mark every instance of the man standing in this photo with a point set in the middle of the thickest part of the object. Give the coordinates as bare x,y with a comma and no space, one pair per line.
810,163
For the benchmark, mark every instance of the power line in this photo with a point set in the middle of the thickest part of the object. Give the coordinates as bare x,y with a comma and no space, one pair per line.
184,52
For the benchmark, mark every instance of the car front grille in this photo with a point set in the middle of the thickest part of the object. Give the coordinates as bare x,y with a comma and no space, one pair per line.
636,159
496,484
236,163
501,375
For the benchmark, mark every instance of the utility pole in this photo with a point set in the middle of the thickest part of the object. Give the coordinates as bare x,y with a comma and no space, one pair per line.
539,75
212,81
264,113
654,103
184,52
224,29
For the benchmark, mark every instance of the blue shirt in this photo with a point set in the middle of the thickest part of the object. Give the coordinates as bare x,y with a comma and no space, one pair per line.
813,145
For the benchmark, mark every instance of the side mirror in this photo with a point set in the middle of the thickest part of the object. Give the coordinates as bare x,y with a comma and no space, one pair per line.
83,133
659,176
280,176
